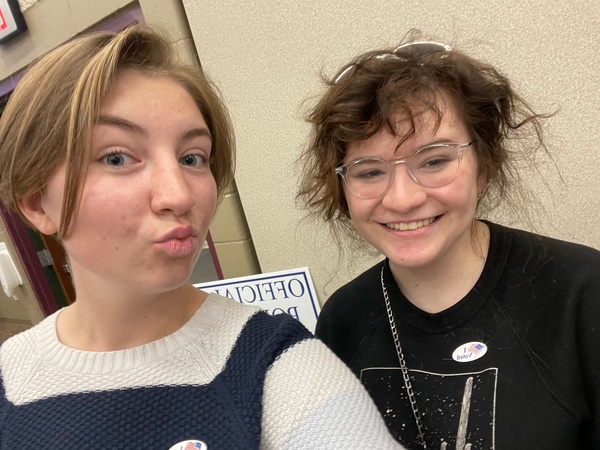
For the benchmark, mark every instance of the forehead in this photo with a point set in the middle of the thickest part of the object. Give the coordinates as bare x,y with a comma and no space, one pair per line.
152,106
421,126
134,85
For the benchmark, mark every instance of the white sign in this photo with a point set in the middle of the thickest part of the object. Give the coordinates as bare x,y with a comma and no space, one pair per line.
289,291
11,19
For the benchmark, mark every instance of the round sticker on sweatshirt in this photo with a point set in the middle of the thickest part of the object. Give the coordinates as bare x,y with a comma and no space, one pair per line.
469,352
191,444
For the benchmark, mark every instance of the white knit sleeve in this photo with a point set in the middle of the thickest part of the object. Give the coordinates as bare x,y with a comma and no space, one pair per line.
313,401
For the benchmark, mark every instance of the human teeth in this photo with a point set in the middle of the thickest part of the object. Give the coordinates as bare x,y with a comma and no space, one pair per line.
410,225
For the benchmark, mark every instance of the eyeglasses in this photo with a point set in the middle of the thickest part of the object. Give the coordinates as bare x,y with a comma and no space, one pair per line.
417,50
433,166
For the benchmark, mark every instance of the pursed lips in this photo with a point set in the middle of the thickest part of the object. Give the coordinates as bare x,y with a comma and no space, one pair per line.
180,242
179,233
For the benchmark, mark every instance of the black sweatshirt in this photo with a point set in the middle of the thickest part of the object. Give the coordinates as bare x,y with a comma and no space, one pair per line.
514,365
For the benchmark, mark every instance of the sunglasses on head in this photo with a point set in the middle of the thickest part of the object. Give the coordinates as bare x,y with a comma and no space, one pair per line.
416,50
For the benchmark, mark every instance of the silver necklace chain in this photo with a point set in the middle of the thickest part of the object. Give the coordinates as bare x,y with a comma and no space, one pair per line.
403,368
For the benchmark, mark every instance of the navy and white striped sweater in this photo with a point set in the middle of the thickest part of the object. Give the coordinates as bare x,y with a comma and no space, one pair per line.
233,377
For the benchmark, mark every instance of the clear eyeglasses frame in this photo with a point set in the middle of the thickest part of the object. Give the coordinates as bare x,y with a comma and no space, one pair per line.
432,166
416,49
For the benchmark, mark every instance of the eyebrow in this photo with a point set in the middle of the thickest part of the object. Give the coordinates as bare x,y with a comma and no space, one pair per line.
196,132
429,144
441,140
131,126
122,123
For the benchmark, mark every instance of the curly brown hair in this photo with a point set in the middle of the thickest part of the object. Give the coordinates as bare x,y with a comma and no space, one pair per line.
376,87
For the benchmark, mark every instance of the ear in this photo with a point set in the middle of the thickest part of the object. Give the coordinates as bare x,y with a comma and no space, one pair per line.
32,208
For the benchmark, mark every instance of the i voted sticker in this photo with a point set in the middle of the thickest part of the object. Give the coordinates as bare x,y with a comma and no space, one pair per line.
191,444
469,352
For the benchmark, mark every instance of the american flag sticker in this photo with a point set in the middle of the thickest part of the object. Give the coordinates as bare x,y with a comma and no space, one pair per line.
190,444
476,347
470,351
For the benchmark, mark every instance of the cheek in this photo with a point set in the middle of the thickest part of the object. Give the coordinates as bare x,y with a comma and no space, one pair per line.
462,195
360,210
351,204
109,211
206,197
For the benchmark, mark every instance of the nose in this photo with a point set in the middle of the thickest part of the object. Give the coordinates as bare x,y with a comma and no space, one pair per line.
171,191
404,193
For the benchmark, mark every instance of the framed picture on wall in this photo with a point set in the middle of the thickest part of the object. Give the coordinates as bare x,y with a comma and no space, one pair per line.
12,22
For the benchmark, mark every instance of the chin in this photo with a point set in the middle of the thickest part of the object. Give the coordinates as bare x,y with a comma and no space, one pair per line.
168,283
412,260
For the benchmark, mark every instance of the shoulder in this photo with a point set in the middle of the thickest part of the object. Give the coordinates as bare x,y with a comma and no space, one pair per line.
253,330
539,241
548,281
18,341
551,292
16,351
274,333
240,331
354,293
20,355
351,314
250,319
28,340
307,398
538,252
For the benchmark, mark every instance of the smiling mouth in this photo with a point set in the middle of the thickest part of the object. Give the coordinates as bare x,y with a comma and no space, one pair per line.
410,225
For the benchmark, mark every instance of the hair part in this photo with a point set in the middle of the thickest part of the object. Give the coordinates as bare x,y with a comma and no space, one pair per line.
49,119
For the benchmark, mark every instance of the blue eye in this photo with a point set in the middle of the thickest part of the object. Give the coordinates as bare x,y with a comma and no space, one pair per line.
193,160
117,159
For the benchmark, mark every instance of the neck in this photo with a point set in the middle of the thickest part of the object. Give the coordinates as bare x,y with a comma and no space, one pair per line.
117,325
437,287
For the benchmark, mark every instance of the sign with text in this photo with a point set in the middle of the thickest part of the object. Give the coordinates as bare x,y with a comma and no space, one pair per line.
11,19
289,291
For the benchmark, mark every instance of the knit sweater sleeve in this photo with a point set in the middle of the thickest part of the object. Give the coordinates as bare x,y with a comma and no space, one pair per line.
312,400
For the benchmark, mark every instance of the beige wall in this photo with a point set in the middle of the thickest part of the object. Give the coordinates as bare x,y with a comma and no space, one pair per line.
52,22
266,56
